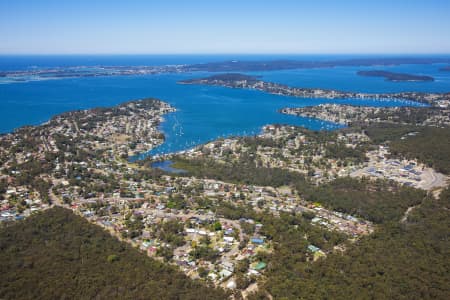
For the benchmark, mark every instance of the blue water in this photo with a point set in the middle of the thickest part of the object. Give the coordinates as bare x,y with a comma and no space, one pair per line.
203,113
166,165
345,79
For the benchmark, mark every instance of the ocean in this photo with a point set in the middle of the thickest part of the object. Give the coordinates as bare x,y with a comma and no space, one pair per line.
204,113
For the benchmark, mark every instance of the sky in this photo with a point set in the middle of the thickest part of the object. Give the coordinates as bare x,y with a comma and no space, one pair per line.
224,26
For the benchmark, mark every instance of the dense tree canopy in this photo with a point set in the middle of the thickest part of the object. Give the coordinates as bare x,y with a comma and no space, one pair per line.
58,255
243,171
429,145
401,260
376,201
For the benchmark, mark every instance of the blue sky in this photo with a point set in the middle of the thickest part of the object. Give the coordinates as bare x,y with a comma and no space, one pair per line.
245,26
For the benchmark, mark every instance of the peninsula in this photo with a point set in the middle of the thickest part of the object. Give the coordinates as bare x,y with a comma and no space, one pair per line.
236,80
391,76
352,115
41,73
230,220
86,71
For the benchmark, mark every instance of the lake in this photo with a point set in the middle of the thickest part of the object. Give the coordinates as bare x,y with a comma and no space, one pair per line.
204,113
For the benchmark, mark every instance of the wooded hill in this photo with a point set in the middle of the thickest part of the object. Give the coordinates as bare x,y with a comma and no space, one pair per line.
59,255
401,260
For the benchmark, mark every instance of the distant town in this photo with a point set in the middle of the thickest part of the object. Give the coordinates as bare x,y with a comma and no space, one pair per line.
47,73
352,115
237,80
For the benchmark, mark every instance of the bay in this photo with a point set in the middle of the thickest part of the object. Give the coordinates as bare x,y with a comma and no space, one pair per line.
204,113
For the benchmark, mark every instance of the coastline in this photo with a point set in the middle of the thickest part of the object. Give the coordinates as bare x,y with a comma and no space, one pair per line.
240,81
194,63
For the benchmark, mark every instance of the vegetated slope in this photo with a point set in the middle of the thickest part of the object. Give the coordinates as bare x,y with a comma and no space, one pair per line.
376,201
408,260
242,172
430,145
58,255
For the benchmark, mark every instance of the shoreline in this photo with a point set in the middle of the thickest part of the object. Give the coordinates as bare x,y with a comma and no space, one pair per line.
351,115
146,153
103,70
240,81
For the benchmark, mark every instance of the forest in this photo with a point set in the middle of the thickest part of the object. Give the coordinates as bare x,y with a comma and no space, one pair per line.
243,171
401,260
416,142
376,201
59,255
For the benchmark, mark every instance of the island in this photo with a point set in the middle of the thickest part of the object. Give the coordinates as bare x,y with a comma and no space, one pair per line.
224,78
225,66
391,76
237,80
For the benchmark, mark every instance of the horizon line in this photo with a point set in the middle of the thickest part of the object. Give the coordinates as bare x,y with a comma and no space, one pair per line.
233,53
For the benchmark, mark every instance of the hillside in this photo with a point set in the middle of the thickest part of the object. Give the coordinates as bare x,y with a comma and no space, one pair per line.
406,260
58,255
